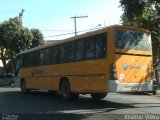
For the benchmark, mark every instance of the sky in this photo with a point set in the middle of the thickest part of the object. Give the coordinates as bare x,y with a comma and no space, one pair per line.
53,17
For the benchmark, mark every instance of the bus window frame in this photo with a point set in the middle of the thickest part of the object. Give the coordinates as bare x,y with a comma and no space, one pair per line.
55,49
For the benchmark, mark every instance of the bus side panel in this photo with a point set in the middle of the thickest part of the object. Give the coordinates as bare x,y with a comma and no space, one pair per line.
87,76
84,76
88,84
44,78
53,83
26,73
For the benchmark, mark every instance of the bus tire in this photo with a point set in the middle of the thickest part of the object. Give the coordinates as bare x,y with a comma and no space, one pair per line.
24,90
154,92
74,96
65,90
98,96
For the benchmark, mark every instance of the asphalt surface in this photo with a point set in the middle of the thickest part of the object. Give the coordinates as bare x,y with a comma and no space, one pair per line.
40,105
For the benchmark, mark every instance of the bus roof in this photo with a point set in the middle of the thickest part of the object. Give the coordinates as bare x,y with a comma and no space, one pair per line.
101,30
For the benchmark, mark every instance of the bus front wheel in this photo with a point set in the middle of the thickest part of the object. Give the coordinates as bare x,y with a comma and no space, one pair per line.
98,96
23,87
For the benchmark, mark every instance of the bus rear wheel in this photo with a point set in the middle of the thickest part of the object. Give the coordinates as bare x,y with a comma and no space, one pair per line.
65,91
24,90
98,96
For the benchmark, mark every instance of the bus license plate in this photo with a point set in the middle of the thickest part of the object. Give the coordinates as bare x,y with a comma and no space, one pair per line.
135,88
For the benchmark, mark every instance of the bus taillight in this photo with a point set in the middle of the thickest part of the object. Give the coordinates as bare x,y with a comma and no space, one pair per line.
113,72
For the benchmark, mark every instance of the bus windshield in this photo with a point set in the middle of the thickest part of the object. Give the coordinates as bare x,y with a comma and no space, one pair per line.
132,40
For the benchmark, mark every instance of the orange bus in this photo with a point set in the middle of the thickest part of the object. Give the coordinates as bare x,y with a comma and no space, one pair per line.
111,59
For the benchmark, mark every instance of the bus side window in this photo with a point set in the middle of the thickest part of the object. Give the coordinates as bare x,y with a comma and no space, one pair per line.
100,51
42,54
55,55
70,52
36,58
79,50
62,53
119,41
48,56
30,59
24,60
89,48
18,64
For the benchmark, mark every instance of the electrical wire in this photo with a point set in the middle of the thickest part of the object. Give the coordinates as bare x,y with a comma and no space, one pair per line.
66,34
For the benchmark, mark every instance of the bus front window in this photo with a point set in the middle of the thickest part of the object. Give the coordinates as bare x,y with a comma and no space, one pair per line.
132,40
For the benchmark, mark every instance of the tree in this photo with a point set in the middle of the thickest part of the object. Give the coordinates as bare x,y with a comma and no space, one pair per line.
144,14
37,38
15,38
3,45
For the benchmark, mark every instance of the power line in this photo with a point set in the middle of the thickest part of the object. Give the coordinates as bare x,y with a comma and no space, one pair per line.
66,34
55,30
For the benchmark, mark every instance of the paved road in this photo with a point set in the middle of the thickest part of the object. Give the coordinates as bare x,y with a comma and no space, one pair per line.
46,106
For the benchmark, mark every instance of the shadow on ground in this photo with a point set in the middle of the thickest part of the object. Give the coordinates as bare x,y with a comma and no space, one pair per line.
46,104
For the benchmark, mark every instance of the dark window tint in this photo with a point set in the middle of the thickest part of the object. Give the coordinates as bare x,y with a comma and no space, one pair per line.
55,55
126,39
89,48
30,59
18,64
42,55
100,50
36,58
79,50
24,59
62,53
27,60
70,52
48,56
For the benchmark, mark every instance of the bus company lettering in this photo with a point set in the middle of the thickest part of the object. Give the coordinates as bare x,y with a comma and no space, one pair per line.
126,66
39,71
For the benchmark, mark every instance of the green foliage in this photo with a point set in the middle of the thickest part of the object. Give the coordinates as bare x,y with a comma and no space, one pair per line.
132,8
15,38
37,38
144,14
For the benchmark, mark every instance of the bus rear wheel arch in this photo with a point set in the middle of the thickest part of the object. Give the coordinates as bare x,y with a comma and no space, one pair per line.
24,89
65,90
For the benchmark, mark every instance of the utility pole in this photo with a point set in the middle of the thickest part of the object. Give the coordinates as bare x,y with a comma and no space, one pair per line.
20,16
75,22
